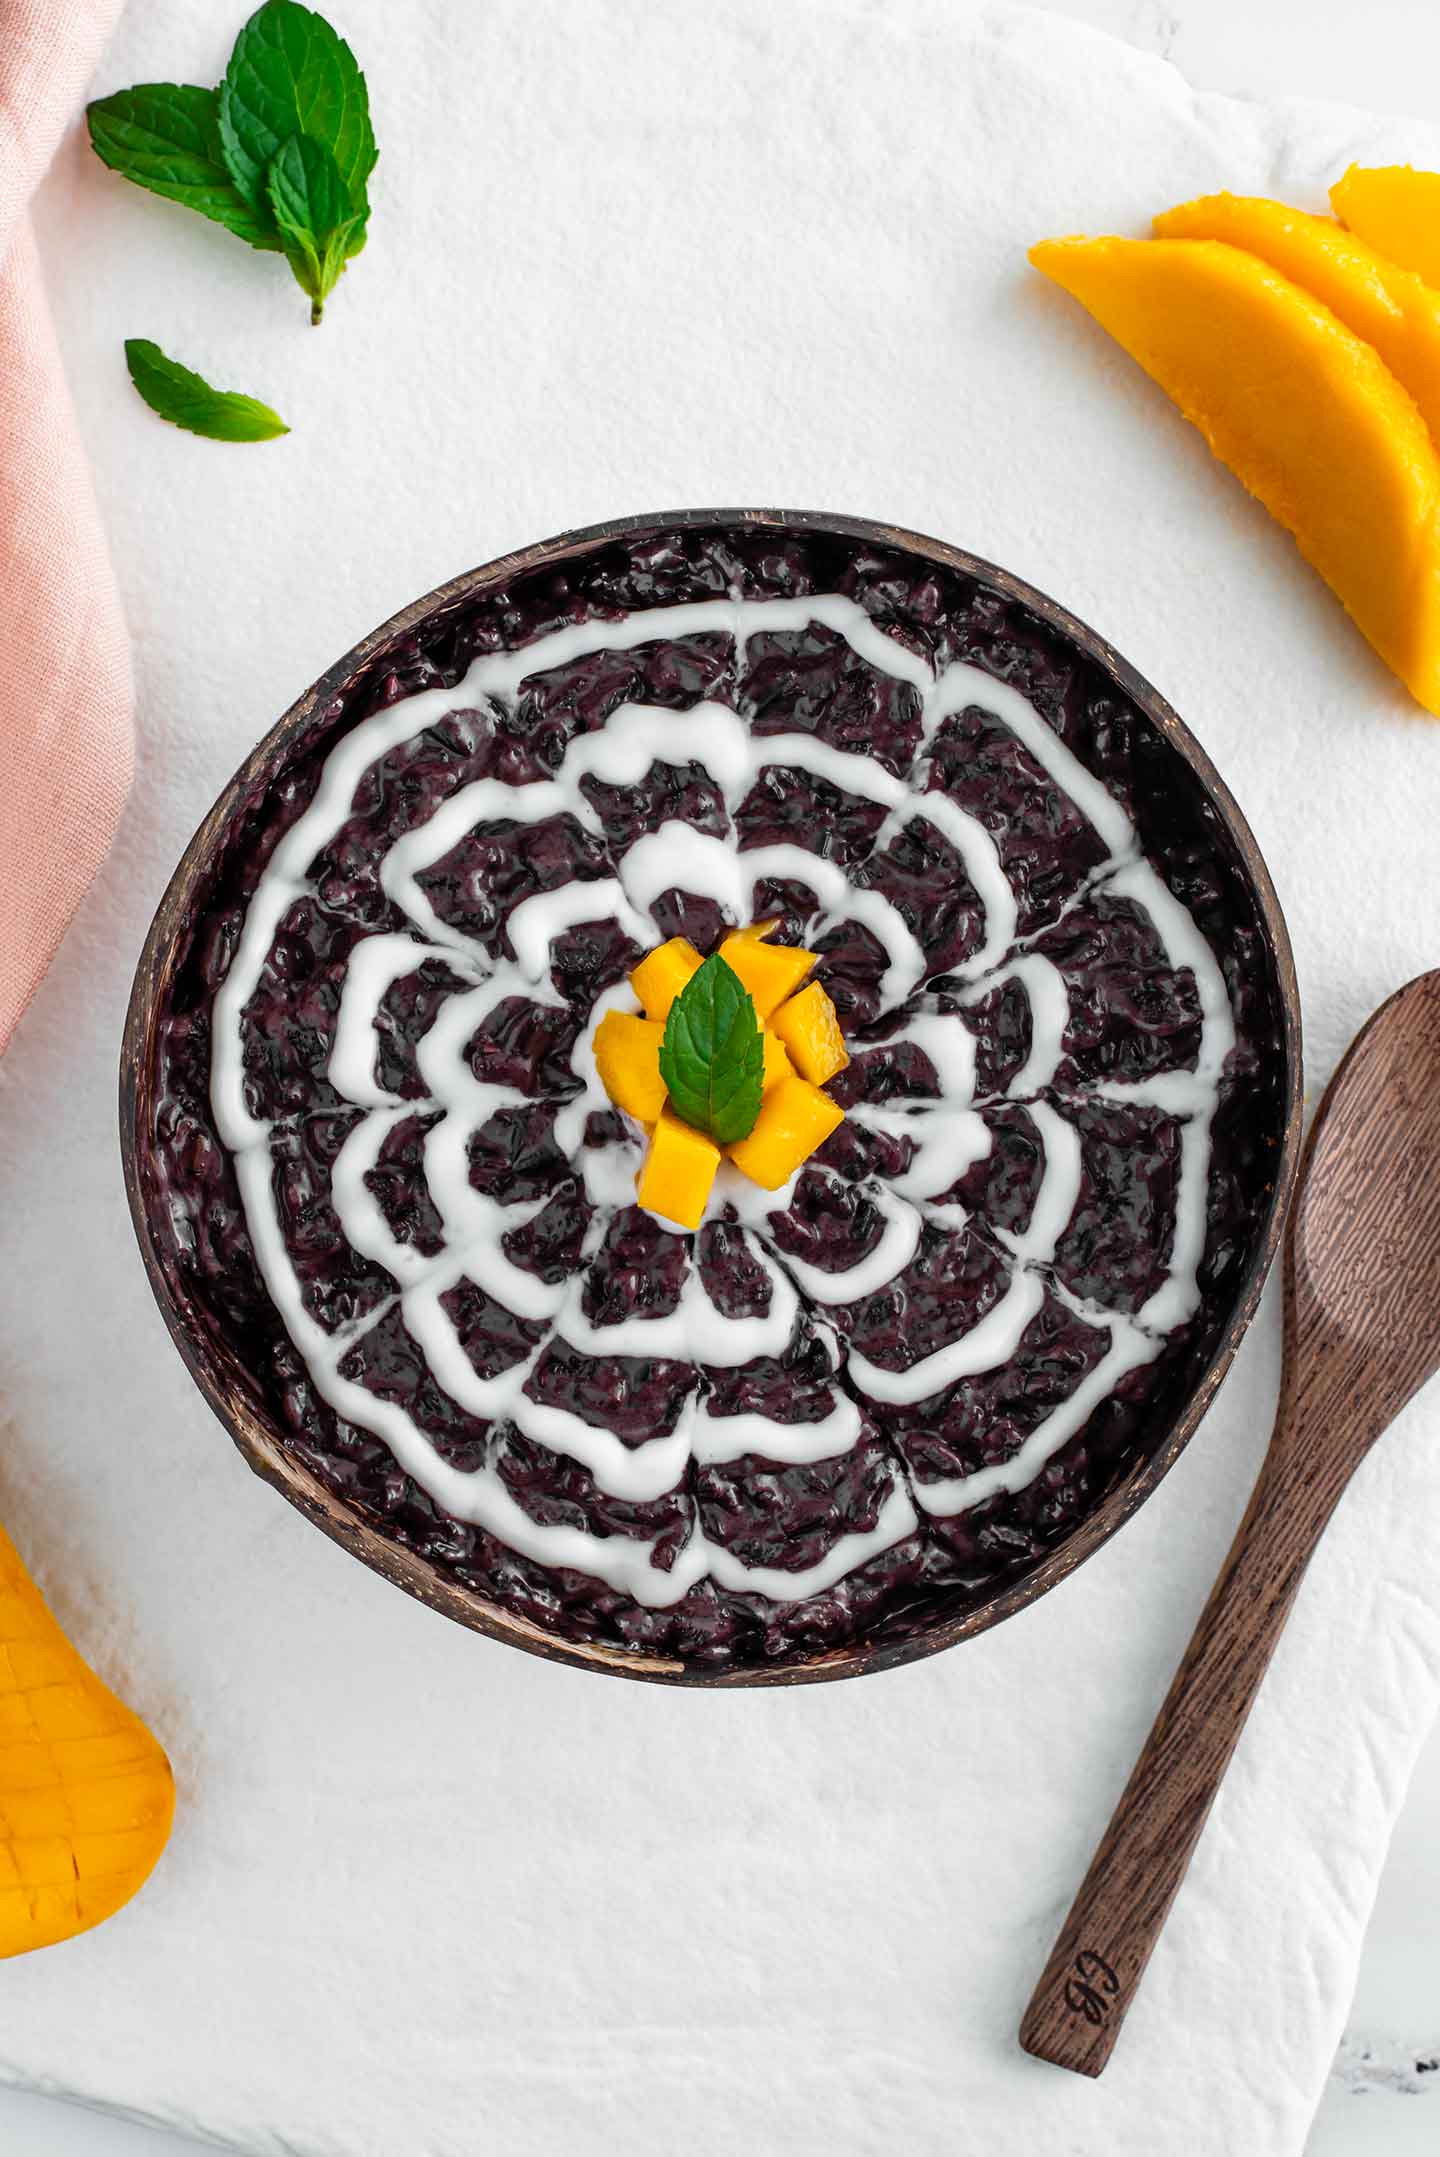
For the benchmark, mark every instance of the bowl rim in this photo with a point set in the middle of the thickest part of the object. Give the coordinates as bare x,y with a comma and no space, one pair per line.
270,1460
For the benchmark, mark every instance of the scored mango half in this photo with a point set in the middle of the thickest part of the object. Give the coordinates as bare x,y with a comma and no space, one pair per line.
86,1794
1306,413
1396,209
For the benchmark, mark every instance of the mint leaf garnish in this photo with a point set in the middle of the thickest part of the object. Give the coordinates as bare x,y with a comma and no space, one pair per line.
165,136
281,154
318,229
291,74
712,1058
187,400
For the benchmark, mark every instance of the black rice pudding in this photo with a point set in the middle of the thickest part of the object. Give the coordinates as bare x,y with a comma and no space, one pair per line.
386,1193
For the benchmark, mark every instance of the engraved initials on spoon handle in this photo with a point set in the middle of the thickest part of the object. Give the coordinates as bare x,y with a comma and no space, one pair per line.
1095,1968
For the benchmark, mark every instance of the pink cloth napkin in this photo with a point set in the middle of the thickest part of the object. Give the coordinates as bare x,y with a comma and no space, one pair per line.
66,707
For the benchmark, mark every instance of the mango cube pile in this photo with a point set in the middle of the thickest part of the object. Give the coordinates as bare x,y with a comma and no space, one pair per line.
804,1049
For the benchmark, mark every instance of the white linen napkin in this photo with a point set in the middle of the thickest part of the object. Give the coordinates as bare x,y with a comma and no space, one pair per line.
429,1895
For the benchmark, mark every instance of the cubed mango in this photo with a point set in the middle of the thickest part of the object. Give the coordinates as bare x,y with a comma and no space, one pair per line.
679,1170
809,1026
771,972
663,973
627,1057
795,1117
777,1062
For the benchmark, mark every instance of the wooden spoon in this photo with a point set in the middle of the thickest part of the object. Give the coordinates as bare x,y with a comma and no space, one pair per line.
1362,1335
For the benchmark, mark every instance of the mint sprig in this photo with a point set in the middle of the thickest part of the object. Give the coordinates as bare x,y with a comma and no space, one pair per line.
318,229
188,400
712,1057
280,155
292,74
165,136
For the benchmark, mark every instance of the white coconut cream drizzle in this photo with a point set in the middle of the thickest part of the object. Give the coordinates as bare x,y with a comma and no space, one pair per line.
375,965
1059,1188
962,685
950,1046
1129,1348
948,1141
356,1205
891,1254
726,1438
1049,1002
990,1342
948,1135
1178,1298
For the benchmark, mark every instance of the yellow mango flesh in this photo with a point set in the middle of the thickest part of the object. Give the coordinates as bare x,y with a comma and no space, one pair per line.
1306,413
663,973
795,1117
627,1057
679,1170
809,1026
771,972
1396,209
777,1062
86,1794
1392,309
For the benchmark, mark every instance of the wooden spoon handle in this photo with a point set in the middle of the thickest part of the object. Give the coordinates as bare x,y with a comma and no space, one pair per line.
1094,1971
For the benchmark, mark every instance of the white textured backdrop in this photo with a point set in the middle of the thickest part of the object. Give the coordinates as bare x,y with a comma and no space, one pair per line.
424,1893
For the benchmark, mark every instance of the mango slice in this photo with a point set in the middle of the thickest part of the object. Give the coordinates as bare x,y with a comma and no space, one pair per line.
769,971
679,1170
1392,309
795,1118
1306,413
777,1062
809,1026
86,1794
627,1057
663,973
1396,209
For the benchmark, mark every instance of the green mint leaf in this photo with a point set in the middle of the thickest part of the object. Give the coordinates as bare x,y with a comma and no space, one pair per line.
165,136
712,1058
291,74
187,400
318,229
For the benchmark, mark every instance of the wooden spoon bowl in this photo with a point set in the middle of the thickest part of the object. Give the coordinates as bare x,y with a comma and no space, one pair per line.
1362,1266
